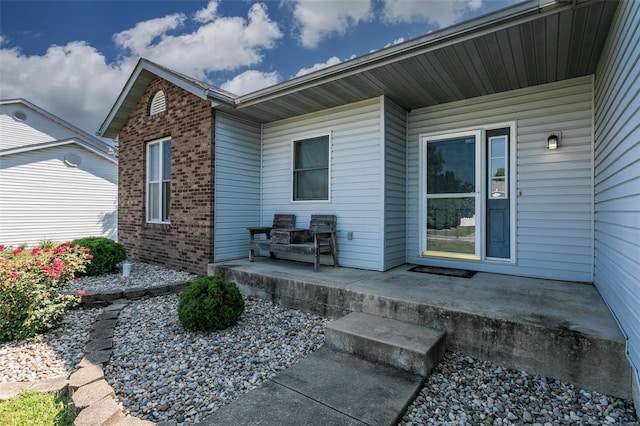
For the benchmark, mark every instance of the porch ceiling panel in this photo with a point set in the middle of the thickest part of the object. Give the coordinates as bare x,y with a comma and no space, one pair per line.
538,48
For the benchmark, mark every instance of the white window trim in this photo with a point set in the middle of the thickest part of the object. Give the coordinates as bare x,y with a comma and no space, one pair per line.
292,165
146,187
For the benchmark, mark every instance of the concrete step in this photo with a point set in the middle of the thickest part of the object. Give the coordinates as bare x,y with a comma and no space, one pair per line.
403,345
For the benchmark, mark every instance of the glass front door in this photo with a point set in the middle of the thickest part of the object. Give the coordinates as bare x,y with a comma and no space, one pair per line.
452,196
466,187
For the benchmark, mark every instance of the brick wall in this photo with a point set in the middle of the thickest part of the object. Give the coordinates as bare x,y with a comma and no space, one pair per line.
186,243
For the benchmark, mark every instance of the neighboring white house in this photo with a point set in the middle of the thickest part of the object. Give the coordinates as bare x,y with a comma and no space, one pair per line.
56,181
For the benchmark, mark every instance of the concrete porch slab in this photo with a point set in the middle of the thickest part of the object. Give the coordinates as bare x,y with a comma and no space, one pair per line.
558,329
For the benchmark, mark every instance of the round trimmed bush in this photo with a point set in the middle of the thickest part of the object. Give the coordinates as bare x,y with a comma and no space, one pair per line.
107,254
210,303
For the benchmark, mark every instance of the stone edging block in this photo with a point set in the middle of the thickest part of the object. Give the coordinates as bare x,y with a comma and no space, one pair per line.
85,375
90,394
103,412
95,298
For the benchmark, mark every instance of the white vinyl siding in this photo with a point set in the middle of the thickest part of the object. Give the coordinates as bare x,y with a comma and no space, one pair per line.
42,198
617,175
395,130
356,178
554,211
34,130
237,186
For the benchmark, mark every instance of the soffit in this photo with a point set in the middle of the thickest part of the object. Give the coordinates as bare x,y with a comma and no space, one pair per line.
539,47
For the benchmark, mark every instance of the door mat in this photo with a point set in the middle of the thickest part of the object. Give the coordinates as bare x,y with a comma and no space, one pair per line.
450,272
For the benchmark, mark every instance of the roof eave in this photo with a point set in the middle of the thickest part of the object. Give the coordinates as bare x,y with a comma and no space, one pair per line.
18,150
451,34
89,139
116,117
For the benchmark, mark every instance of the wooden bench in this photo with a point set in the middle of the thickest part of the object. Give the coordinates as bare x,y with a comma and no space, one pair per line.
319,239
280,221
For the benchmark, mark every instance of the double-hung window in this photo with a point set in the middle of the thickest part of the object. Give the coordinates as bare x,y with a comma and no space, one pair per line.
311,168
158,180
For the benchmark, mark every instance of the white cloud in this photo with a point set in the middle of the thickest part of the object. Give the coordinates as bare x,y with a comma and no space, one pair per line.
73,82
251,81
320,19
331,61
138,38
439,12
208,14
222,43
394,42
76,83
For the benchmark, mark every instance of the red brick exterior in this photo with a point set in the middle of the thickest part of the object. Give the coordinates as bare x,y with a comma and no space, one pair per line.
187,243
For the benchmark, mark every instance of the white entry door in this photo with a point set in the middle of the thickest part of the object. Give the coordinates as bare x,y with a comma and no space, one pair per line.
467,206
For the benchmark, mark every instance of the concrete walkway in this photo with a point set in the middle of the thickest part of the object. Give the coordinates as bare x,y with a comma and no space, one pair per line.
369,370
326,388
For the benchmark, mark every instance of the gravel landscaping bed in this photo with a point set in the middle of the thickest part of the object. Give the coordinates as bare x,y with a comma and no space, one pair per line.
465,391
164,373
49,355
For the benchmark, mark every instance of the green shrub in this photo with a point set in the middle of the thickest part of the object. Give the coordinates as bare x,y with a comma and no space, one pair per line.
30,284
210,303
107,254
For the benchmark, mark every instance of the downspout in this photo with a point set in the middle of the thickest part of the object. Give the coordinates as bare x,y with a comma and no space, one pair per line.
260,197
635,372
383,149
406,185
593,178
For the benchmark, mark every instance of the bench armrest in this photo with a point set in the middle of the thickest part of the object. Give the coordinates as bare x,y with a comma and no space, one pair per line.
259,230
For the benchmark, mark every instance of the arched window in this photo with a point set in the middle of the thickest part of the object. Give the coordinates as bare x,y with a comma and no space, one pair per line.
158,103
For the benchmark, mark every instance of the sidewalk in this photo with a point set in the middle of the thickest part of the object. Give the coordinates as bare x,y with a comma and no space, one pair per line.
326,388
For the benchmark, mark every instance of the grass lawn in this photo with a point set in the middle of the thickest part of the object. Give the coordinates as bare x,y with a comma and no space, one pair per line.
460,231
32,408
466,247
446,240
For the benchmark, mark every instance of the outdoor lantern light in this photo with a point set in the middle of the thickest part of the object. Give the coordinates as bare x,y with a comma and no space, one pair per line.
553,141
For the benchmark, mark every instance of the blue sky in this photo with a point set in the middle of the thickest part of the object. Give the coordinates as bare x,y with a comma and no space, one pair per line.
73,57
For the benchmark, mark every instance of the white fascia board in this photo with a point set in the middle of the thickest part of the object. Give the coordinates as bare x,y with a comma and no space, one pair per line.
82,135
35,147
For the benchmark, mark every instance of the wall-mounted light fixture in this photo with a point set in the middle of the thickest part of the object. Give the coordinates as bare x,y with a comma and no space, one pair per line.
553,141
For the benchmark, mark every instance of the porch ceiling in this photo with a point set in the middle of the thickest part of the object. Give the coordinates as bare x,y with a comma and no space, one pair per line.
524,46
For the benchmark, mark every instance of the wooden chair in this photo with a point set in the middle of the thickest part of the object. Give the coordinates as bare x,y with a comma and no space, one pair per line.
280,221
323,230
319,239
